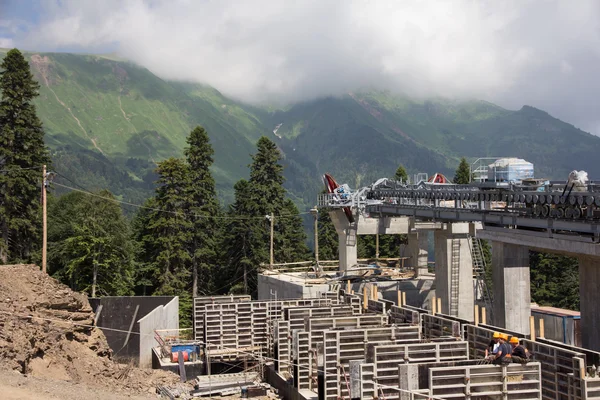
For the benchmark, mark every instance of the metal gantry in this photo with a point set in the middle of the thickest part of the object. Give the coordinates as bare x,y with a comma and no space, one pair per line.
552,208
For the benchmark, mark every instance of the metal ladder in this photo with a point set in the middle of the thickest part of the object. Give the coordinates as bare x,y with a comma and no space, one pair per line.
479,268
454,277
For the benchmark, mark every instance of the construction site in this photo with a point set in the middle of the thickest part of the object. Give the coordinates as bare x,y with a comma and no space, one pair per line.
349,328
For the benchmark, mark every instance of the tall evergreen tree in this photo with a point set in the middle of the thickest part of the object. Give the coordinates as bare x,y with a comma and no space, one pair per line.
204,207
262,196
89,245
242,253
22,153
463,173
401,174
328,237
555,280
167,236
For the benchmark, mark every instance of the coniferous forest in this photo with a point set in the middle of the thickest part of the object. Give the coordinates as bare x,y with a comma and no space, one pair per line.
181,241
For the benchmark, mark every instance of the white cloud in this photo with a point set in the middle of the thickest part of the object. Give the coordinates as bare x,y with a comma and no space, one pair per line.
512,52
6,43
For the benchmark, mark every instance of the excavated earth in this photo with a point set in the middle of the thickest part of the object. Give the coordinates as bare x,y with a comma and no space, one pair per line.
46,331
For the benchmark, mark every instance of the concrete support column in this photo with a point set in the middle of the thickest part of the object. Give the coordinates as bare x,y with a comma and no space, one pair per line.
512,288
452,250
589,279
347,236
417,251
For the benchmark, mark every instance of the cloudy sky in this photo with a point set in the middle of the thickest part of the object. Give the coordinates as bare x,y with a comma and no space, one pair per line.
511,52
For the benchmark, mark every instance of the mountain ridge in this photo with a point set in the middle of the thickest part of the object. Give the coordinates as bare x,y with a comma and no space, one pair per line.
112,120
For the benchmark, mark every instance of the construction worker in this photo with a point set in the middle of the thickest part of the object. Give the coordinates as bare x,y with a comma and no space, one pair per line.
502,356
493,346
519,354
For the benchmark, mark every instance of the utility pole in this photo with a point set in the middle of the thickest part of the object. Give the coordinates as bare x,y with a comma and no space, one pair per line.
272,219
315,212
377,246
44,221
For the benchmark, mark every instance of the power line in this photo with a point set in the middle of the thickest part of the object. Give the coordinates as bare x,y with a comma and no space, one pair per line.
240,217
17,168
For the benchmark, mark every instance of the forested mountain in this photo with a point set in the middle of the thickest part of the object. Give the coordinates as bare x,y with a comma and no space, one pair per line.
108,122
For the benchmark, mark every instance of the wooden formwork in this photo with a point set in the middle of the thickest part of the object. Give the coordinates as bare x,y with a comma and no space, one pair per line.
382,362
297,315
403,315
435,326
353,300
561,368
199,309
512,382
342,346
228,326
282,336
354,321
301,353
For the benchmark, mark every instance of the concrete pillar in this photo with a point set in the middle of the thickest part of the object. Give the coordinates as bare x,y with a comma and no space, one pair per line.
454,234
417,251
408,380
347,236
512,288
589,279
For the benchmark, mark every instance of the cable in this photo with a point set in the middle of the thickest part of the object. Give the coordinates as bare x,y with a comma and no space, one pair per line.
241,217
16,167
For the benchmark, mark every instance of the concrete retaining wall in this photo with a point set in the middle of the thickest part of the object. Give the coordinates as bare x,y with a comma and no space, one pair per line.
117,316
162,317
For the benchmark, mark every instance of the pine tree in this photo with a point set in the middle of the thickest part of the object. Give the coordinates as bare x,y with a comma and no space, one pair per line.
463,173
22,154
204,207
290,245
401,174
168,234
555,280
249,239
328,237
89,245
241,252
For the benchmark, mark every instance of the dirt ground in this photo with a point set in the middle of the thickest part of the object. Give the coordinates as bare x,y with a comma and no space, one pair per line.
47,334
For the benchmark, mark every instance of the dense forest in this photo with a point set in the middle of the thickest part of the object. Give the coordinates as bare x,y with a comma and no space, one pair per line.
181,240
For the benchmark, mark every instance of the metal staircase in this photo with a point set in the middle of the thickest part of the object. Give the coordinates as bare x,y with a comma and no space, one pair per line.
454,277
481,290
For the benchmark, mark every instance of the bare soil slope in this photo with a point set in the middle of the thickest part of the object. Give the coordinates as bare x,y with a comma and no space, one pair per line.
46,330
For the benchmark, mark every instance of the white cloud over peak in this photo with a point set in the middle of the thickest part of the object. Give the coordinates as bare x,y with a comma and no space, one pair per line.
543,53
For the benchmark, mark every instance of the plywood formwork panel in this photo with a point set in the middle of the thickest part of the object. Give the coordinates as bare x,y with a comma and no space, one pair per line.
435,326
283,347
557,364
383,360
342,346
247,324
403,315
512,382
355,301
355,321
297,315
199,309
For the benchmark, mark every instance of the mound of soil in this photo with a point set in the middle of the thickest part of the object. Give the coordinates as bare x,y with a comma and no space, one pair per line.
46,330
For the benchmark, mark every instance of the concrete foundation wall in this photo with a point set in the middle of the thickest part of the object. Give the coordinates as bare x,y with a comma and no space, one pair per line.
162,317
287,286
119,314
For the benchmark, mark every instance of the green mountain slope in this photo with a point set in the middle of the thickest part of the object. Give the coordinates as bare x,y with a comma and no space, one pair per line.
109,121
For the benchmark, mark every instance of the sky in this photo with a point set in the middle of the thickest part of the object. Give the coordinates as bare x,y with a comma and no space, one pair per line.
512,52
